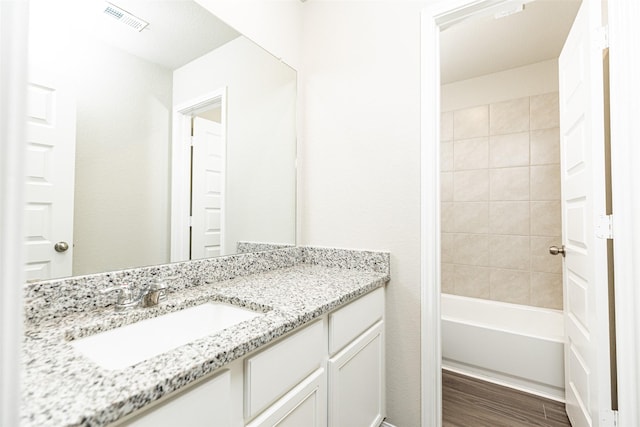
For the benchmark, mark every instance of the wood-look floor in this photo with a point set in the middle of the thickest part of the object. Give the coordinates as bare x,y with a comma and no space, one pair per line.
468,402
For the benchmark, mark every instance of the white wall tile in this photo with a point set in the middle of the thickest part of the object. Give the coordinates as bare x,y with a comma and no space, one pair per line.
446,156
447,281
545,111
509,116
471,186
545,146
471,217
500,201
545,182
447,248
471,249
509,252
471,153
471,122
509,150
446,126
446,186
510,183
510,286
447,224
509,218
472,281
546,219
546,290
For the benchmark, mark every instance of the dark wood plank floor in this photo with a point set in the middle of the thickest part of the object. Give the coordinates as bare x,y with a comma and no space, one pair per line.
468,402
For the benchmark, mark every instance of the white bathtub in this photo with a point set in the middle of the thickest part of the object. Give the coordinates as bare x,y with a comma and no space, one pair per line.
515,345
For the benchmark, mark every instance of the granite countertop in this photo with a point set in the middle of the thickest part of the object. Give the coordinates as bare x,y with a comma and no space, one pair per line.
60,387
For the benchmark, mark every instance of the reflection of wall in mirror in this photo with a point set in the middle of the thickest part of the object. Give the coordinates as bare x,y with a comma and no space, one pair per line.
260,92
122,150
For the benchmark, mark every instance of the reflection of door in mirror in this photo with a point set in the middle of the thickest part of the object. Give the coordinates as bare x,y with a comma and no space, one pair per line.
207,188
51,140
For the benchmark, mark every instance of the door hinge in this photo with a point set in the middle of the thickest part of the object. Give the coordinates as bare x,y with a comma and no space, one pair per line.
190,221
604,227
609,418
602,37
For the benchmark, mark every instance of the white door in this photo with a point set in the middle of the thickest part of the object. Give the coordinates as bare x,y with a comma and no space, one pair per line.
51,142
207,189
587,365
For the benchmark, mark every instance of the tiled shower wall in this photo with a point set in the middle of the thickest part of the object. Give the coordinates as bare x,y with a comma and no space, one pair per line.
501,201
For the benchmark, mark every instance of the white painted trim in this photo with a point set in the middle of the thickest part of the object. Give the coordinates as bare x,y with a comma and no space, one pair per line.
13,71
624,69
386,424
431,377
181,165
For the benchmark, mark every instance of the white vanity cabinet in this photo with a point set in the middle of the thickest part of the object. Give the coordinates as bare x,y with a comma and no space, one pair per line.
328,373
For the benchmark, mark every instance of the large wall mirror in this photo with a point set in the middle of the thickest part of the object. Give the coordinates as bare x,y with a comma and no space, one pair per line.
156,133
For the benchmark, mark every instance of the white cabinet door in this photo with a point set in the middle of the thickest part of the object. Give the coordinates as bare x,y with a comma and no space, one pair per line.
304,406
356,382
587,369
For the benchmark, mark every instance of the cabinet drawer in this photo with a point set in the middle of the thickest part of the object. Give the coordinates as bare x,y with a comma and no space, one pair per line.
276,370
206,404
348,322
305,405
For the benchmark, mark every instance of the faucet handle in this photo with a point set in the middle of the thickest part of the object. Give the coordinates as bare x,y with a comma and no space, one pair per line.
161,283
124,293
155,291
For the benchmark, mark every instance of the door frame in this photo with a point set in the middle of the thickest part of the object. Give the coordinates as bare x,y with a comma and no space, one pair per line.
625,156
624,67
181,165
14,21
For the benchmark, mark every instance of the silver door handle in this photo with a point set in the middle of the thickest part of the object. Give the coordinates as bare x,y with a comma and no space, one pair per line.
554,250
61,246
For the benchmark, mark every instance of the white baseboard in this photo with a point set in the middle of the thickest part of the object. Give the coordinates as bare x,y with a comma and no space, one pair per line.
386,424
538,389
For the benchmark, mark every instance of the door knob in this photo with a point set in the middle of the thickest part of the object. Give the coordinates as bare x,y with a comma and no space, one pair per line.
554,250
61,246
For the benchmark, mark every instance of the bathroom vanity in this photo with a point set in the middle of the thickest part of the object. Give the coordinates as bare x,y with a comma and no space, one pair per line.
313,354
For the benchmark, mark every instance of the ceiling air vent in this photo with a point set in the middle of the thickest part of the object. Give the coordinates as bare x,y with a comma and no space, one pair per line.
125,17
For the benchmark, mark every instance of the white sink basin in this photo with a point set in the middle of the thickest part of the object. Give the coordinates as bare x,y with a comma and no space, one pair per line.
130,344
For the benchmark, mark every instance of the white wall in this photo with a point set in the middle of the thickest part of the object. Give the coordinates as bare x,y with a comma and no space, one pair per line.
121,215
273,24
13,45
261,101
533,79
361,160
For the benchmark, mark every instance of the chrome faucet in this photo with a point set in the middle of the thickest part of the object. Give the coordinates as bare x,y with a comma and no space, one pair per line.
150,294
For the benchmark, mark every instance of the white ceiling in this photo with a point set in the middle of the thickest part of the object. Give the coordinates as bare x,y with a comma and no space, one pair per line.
485,45
178,31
